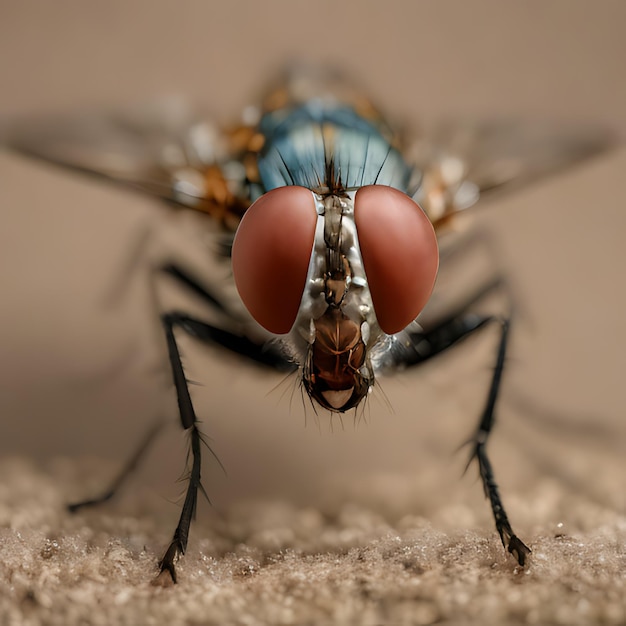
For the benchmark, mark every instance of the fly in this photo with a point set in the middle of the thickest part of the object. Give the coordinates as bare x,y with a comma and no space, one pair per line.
336,226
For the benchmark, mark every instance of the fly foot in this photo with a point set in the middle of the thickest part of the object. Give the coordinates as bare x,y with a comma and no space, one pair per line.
167,570
518,549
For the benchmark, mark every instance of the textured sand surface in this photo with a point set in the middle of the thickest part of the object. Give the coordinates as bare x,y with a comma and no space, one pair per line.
275,563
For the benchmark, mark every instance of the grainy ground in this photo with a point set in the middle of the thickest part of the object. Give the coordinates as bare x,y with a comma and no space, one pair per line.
272,562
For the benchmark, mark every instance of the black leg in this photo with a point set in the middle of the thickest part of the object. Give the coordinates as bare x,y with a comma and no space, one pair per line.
234,342
183,277
271,354
447,331
189,422
128,469
228,338
230,335
443,334
178,545
509,539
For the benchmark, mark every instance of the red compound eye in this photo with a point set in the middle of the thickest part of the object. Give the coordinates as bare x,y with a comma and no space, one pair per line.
271,254
400,254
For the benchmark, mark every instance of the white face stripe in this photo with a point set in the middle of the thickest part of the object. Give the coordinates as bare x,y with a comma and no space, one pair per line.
358,305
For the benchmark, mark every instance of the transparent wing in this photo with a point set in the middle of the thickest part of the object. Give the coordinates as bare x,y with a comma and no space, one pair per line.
462,162
165,149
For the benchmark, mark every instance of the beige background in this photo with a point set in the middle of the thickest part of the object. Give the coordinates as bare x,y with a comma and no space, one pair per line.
76,377
81,378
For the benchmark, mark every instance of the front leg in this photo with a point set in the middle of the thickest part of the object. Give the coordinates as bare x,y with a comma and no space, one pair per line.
189,422
233,340
509,539
439,337
236,343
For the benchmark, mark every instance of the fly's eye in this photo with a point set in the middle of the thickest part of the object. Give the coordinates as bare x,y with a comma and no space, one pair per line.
271,254
400,254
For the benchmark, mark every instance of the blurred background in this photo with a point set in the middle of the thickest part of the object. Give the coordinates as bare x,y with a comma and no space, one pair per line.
80,376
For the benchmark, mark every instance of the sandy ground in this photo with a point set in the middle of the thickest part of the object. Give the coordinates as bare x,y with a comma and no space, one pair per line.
315,521
272,562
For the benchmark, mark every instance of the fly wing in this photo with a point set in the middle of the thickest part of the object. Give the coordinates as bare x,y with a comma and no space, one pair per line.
125,147
164,149
464,162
